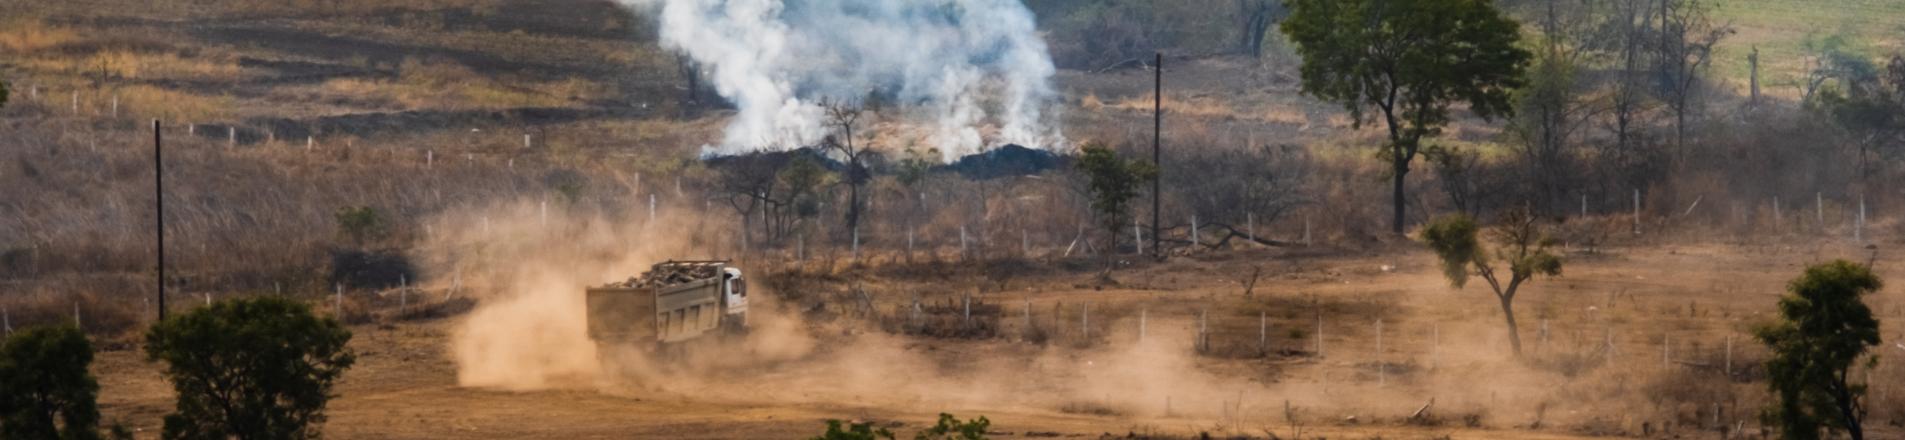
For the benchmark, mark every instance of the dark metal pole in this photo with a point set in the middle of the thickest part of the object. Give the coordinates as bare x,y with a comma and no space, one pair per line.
1157,159
158,191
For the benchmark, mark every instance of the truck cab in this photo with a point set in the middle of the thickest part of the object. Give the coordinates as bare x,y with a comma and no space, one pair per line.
734,295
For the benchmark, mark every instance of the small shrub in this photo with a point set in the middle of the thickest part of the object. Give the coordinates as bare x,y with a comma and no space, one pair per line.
370,269
252,368
950,428
360,223
837,430
49,393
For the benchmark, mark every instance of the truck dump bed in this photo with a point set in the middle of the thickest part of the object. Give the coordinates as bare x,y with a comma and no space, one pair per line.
674,301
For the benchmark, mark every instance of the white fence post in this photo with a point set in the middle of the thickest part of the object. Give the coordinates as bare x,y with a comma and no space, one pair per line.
1250,226
1666,351
1137,235
1306,231
1729,355
1084,320
1142,317
1637,211
1194,236
1858,233
1319,333
962,241
1382,370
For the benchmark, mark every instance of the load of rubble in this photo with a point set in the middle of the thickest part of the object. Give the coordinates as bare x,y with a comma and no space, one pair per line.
671,273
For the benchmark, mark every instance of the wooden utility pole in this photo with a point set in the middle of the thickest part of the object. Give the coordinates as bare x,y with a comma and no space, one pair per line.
1157,158
158,191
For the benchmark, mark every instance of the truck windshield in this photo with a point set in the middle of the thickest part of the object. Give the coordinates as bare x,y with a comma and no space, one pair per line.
740,287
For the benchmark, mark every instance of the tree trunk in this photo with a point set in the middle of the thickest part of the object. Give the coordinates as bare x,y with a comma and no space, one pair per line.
1402,170
1842,395
853,202
1514,335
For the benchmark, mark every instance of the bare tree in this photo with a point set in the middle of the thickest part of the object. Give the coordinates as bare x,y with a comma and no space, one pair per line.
1550,107
1258,16
1685,47
842,117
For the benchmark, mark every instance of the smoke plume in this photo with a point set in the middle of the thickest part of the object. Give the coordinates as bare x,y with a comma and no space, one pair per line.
968,73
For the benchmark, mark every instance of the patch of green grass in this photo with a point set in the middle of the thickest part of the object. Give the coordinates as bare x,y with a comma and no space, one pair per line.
1781,28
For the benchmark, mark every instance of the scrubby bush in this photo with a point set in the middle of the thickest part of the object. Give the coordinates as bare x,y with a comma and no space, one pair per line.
46,391
360,224
252,368
837,430
950,428
1824,329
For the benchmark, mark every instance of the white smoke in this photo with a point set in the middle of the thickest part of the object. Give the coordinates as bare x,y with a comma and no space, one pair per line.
971,73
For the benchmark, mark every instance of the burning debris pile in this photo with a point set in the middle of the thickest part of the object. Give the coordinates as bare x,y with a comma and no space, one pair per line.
963,68
671,273
1007,161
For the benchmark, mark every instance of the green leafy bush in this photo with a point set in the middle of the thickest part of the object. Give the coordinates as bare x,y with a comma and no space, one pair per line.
837,430
950,428
250,368
46,391
1823,329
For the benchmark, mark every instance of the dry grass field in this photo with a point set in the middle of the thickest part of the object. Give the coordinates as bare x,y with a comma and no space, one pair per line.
1689,303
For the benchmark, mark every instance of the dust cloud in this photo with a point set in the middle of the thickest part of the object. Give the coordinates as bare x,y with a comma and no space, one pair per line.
528,333
529,263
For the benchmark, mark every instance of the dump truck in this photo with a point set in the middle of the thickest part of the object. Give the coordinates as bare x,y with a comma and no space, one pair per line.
672,303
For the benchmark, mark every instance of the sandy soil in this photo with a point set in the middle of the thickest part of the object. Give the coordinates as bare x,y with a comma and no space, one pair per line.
406,383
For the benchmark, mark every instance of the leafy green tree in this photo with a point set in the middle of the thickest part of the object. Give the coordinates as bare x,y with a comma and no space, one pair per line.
837,430
1822,330
1113,182
360,223
46,391
251,368
1410,60
1871,107
950,428
1521,243
803,177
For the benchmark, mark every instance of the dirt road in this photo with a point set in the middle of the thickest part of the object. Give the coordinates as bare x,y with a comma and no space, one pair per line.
405,384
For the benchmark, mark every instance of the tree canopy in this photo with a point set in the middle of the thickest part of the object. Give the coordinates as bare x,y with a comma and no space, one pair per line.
252,368
1823,329
46,390
1113,182
1410,61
